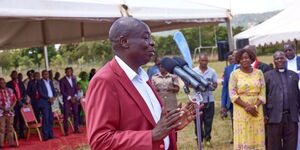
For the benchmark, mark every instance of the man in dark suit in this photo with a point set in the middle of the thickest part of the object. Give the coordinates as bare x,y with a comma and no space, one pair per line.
47,97
257,64
20,92
32,91
69,92
282,107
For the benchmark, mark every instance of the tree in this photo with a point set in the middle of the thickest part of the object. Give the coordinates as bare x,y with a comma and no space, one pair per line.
37,54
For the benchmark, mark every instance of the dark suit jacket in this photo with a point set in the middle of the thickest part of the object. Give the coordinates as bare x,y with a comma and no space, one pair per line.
43,90
66,89
31,89
274,94
22,89
225,99
116,114
263,67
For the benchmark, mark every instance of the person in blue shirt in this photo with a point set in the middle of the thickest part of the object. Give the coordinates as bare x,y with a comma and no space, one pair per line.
155,68
226,104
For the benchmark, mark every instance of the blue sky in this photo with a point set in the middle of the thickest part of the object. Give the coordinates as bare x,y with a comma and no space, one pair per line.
249,6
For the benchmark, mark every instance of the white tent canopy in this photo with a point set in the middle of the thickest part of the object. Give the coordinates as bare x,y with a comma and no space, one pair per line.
29,23
283,27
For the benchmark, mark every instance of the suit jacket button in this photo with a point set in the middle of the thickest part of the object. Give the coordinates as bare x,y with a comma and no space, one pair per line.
161,146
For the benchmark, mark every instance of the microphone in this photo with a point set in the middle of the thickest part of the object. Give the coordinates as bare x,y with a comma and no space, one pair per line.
172,67
183,64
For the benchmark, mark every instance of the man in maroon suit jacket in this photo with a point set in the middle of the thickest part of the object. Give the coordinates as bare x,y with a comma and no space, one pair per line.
68,88
122,107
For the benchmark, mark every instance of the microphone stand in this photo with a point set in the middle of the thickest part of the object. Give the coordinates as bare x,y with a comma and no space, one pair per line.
197,108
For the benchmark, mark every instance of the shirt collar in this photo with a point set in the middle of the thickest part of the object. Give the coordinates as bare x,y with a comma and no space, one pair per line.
160,75
46,80
208,68
293,59
129,72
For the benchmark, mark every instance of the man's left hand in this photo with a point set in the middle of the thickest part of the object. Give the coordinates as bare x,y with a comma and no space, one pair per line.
189,114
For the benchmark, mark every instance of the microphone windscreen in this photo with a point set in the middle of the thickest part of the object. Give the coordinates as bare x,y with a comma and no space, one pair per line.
180,61
169,64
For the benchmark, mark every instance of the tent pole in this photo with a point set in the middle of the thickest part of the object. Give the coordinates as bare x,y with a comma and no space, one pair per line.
230,34
45,44
46,57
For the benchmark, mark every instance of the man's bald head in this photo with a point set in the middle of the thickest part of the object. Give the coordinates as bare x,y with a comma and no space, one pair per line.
203,60
251,48
131,41
277,53
123,27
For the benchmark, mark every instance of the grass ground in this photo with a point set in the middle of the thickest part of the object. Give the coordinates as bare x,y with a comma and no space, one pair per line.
221,132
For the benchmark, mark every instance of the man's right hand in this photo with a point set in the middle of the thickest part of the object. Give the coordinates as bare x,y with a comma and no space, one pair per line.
223,110
166,123
251,110
73,99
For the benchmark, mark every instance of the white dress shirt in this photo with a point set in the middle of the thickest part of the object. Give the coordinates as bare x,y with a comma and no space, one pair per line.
49,89
292,64
70,81
140,82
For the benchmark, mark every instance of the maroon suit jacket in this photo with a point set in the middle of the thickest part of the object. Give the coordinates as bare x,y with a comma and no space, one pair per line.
117,116
66,89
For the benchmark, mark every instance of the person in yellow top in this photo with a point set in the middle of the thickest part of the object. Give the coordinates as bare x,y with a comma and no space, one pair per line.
247,91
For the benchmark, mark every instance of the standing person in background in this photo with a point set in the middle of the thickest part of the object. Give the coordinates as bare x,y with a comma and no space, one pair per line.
47,97
7,103
230,58
20,77
293,61
50,74
167,86
29,77
84,81
155,68
226,104
282,107
68,90
247,92
34,95
256,63
80,95
293,64
209,74
59,100
92,73
20,92
83,84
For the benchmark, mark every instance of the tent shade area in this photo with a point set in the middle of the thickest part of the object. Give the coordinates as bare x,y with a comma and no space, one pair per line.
42,22
281,28
33,23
